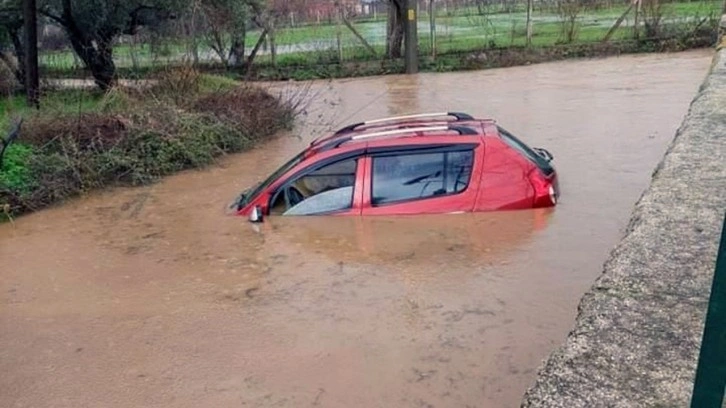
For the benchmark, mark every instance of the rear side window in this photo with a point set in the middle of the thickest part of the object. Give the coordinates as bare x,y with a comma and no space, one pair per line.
526,151
405,177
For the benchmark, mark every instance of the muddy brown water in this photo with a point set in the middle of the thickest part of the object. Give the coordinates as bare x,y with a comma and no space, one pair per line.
153,297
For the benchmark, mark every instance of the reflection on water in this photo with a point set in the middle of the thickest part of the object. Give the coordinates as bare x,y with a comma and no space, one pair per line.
154,297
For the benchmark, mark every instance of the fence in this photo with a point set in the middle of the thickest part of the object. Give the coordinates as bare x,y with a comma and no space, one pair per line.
444,27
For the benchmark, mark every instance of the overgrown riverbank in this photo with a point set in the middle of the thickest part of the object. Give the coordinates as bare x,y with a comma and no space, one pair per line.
83,141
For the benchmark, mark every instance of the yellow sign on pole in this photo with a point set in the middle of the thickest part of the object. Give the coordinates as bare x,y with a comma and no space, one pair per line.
411,14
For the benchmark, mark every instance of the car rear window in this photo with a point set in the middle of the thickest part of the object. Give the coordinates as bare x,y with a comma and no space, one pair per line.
526,151
404,177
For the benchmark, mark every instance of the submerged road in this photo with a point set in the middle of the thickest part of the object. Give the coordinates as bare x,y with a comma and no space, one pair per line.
153,297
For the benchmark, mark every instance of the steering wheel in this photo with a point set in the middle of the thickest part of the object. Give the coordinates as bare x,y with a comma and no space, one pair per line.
293,197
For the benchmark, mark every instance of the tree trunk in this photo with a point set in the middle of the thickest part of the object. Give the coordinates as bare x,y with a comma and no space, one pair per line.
32,81
394,37
216,43
96,51
253,54
97,55
19,69
237,49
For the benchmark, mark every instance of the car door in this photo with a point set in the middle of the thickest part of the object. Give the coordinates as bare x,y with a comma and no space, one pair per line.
330,185
422,179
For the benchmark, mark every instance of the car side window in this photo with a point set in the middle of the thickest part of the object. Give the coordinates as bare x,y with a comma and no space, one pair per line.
324,190
412,176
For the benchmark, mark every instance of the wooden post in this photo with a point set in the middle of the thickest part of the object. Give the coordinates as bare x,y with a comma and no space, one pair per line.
338,36
356,33
618,22
529,22
432,24
638,5
32,82
411,36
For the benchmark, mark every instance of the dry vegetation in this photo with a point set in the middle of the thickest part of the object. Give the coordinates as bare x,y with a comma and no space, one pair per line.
136,136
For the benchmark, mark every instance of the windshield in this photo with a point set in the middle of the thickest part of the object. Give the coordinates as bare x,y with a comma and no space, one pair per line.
247,195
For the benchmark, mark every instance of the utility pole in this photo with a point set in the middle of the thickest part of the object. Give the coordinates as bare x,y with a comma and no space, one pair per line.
411,37
30,19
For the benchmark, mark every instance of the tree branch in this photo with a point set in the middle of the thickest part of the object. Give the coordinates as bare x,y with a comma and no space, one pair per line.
53,17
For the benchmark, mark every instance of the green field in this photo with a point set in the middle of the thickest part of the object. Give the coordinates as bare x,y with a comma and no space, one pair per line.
461,31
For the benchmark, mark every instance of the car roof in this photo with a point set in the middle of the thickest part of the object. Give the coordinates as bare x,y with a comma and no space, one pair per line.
406,126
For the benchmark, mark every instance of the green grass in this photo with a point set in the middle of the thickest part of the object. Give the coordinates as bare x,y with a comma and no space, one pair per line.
68,101
57,101
15,174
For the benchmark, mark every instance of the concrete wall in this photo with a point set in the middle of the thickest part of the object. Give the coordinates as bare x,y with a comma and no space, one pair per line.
638,332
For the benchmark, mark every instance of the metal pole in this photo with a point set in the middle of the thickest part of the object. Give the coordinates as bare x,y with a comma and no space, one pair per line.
411,38
31,53
708,388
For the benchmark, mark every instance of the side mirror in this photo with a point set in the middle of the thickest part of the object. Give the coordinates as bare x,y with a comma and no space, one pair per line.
256,214
544,153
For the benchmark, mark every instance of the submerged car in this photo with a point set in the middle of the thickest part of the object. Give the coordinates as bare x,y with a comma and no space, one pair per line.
426,163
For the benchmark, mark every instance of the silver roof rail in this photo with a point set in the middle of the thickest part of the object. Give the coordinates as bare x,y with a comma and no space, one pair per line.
400,131
460,129
457,115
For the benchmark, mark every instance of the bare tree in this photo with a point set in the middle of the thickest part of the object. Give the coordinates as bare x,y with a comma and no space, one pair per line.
652,18
225,29
569,13
92,27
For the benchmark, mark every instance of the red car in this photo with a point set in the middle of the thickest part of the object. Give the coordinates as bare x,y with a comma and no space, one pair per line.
417,164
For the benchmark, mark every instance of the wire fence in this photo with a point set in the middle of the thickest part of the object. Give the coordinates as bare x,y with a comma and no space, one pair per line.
360,31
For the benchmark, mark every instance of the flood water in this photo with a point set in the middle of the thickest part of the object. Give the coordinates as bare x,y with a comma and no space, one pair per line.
153,297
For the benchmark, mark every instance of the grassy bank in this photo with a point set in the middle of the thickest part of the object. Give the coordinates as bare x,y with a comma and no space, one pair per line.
85,140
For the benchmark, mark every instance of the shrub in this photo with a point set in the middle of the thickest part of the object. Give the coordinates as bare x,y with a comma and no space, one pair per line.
134,137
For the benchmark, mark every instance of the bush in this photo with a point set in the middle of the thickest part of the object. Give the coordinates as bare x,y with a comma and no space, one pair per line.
135,137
